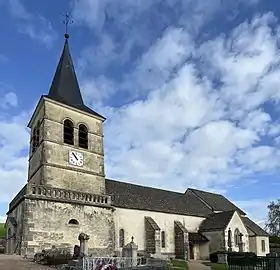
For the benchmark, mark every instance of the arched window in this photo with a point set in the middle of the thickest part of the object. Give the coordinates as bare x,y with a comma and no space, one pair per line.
263,245
73,222
83,136
68,132
121,236
35,137
236,237
163,239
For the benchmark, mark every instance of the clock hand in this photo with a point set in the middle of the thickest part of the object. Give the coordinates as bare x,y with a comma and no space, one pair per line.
75,156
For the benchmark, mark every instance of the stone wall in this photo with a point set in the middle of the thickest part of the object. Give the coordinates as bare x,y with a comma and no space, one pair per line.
181,243
49,163
237,223
47,224
216,240
152,236
132,221
14,233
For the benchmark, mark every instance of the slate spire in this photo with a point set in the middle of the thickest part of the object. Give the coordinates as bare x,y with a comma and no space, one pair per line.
65,86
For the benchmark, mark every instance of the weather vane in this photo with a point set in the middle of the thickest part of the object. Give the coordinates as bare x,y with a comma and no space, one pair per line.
66,22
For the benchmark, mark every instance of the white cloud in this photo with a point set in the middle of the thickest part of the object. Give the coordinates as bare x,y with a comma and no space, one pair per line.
188,130
9,100
256,209
34,25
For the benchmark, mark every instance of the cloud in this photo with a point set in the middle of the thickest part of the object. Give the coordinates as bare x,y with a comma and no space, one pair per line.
201,120
256,209
34,25
9,100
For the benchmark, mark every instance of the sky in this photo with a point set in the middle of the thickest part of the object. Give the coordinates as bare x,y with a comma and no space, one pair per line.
190,90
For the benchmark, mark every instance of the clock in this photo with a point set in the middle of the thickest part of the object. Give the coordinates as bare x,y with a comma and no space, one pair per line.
76,158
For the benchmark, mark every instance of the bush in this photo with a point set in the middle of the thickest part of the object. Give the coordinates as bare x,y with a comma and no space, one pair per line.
213,257
2,230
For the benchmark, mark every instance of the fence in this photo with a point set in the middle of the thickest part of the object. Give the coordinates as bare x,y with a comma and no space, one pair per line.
91,263
253,263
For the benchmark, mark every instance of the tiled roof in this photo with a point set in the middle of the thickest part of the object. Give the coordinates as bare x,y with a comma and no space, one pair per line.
216,201
216,221
256,229
195,237
181,226
126,195
152,222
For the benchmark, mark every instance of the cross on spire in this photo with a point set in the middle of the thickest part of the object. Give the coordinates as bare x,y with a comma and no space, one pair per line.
66,22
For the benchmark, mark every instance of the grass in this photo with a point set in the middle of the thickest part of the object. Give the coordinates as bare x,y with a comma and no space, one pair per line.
217,266
2,230
177,265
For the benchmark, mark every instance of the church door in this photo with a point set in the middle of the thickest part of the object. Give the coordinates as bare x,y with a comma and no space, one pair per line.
191,252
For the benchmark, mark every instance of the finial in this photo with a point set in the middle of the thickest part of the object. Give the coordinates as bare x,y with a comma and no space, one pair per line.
66,22
132,238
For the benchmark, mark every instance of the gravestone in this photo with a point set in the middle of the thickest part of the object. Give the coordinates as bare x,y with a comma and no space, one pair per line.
130,251
83,238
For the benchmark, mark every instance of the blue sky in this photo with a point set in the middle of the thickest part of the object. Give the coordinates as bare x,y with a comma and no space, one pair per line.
190,89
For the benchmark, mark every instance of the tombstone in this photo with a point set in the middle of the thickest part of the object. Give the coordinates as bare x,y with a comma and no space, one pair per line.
76,252
83,238
229,240
130,251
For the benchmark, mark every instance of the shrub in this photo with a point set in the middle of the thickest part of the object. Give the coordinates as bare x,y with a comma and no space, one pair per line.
2,230
213,257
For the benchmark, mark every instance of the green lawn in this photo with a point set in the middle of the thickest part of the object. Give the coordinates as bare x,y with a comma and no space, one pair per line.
177,265
2,230
217,266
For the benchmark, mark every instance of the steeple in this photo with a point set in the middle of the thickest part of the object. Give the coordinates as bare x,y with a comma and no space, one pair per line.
65,87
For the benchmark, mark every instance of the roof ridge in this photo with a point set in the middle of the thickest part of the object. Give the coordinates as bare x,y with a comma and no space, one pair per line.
200,190
167,190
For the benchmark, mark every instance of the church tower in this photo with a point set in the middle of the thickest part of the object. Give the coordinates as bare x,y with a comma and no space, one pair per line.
65,193
66,146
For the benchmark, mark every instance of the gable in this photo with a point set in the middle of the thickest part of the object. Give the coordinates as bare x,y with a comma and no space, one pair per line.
253,227
216,221
236,222
216,202
130,196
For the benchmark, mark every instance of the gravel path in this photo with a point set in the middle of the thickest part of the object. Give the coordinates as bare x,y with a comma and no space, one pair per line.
15,262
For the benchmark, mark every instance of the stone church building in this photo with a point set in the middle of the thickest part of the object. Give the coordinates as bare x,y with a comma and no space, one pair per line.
67,193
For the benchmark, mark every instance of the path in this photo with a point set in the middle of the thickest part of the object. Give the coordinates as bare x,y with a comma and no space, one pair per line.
197,265
15,262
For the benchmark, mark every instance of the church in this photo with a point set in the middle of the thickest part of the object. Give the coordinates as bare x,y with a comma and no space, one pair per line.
67,193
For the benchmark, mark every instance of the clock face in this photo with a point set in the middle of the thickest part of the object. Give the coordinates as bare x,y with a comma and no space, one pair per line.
76,158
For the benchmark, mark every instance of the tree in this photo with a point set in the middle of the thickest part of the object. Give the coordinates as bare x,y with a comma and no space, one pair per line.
273,222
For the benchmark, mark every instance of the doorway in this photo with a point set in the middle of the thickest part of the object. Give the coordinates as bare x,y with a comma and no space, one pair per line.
191,252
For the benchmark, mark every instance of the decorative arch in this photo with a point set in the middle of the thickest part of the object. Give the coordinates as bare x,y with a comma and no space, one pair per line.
68,132
73,222
121,238
83,136
236,237
35,137
163,239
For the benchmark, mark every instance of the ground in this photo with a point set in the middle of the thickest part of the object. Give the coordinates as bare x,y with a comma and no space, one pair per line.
14,262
